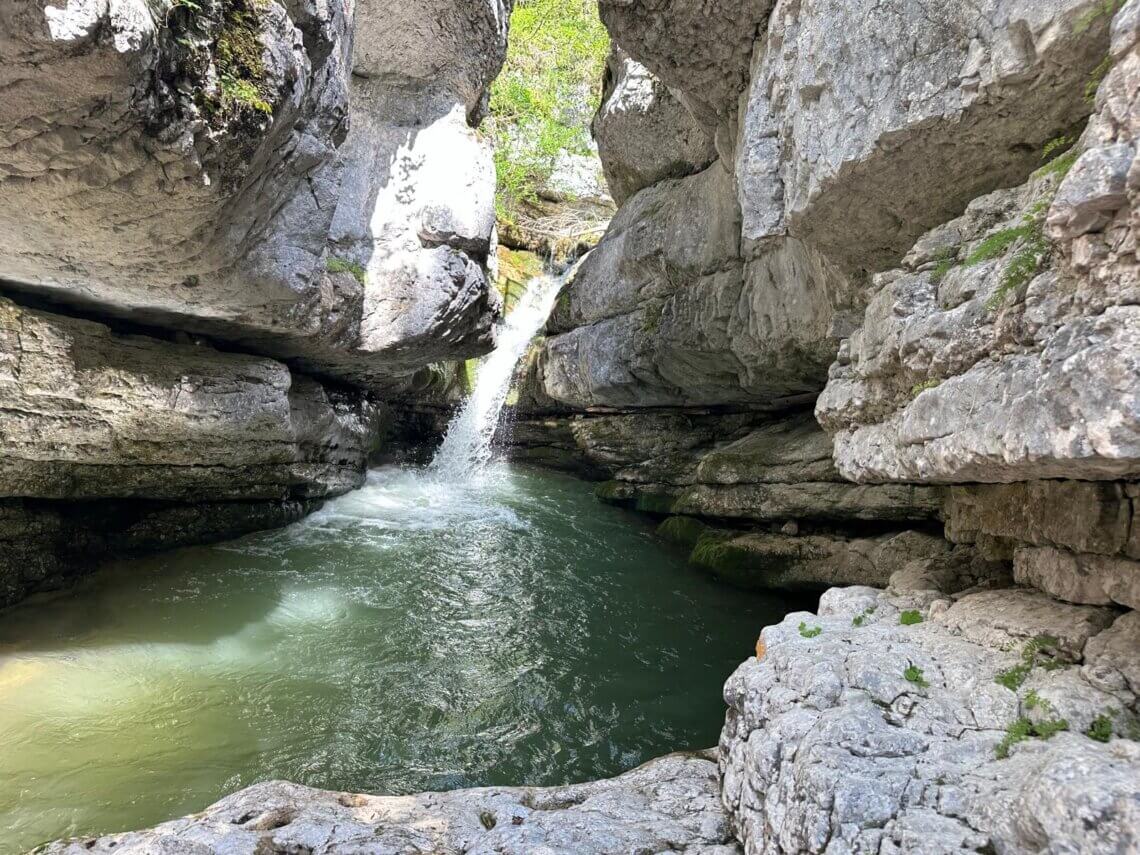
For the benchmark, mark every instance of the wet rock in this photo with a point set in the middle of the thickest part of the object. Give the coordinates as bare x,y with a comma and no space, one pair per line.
670,804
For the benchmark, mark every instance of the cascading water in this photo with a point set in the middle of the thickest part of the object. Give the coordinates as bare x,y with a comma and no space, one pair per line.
467,445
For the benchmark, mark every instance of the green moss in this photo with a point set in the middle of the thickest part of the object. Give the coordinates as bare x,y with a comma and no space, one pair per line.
861,618
914,674
1105,9
910,617
809,631
683,531
1101,728
556,57
652,321
996,245
344,265
924,386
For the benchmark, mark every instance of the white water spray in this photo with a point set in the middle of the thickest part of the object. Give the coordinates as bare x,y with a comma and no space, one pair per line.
467,445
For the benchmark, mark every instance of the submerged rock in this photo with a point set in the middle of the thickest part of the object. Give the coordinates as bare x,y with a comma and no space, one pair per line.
668,805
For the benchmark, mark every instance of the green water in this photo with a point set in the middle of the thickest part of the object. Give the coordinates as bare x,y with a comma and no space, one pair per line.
413,635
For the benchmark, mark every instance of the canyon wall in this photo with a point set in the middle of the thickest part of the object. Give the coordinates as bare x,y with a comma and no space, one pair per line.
867,317
232,232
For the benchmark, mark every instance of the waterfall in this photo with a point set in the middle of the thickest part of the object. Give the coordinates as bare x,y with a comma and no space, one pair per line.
467,445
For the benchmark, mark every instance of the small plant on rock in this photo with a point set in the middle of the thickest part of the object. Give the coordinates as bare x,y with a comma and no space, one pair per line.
343,265
1101,727
861,618
924,386
910,617
1037,652
914,674
1023,729
809,631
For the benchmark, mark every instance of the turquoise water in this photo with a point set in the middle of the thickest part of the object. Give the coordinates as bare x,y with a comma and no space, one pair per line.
413,635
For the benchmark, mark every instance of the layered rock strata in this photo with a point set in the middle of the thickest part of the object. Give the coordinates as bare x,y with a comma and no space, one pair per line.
232,230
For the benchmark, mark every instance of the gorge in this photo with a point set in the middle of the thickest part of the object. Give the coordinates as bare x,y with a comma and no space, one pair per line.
855,369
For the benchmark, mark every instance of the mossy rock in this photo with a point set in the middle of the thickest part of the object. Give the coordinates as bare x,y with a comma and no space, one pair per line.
720,554
683,531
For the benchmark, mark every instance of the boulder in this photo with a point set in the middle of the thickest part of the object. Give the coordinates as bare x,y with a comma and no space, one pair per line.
644,133
855,732
93,413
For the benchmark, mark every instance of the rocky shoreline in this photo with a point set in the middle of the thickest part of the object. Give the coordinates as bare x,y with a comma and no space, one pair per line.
867,315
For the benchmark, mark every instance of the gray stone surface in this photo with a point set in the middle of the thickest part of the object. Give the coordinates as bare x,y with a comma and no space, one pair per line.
828,747
1079,577
90,413
703,50
668,805
644,133
863,131
247,210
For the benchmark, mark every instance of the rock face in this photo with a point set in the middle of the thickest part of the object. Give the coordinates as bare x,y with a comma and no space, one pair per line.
670,804
227,121
962,733
228,227
644,132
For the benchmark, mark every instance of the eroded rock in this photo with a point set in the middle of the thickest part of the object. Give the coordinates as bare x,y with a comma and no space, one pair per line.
669,804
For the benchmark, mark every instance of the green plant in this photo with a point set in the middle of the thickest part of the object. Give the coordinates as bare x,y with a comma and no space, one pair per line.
1022,729
542,100
809,631
1012,678
910,617
344,265
945,262
1036,652
924,386
1101,728
1096,78
913,674
1032,252
861,618
1107,8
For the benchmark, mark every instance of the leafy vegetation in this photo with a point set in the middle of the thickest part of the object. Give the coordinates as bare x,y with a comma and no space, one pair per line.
1101,728
344,265
914,674
910,617
945,262
1023,729
1038,651
542,101
809,631
861,618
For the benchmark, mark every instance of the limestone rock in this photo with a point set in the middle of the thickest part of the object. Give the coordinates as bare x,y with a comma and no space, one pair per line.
644,133
1097,580
44,545
666,312
670,804
862,131
703,51
93,413
365,263
868,735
